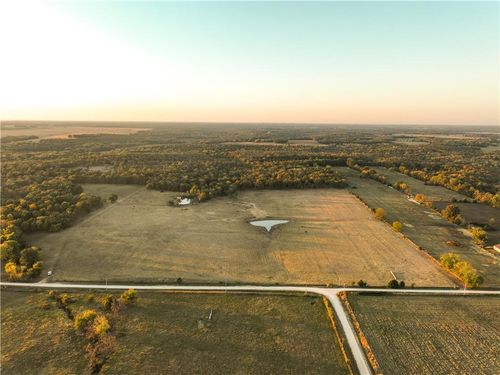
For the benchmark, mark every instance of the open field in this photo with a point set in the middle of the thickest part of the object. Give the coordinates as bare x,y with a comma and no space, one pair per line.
161,333
423,226
440,335
331,238
61,132
410,142
433,193
493,148
475,213
292,142
33,336
436,135
478,213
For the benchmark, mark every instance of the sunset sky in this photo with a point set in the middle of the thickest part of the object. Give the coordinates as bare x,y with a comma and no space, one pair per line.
336,62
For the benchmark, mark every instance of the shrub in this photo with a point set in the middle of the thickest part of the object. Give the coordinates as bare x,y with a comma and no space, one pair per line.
402,284
479,235
462,270
449,260
380,213
107,302
101,326
51,294
84,320
420,198
393,284
362,283
12,271
397,226
129,295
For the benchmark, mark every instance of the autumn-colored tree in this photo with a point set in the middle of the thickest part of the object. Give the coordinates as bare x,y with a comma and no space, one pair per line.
479,235
380,213
397,226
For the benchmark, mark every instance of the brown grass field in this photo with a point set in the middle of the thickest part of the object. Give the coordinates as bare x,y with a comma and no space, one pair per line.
433,193
47,131
423,226
441,197
431,335
247,334
478,213
331,238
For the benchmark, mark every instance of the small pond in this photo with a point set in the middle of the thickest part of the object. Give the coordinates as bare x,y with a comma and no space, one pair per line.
268,224
183,201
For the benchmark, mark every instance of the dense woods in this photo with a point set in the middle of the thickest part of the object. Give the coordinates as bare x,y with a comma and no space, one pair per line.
41,179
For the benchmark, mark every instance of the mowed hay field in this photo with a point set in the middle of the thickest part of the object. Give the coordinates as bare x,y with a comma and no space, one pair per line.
431,334
423,226
331,238
170,333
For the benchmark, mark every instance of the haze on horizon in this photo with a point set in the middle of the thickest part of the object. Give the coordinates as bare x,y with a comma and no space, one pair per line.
336,62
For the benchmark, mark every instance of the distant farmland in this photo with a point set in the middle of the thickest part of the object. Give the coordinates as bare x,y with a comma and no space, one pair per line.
331,238
431,335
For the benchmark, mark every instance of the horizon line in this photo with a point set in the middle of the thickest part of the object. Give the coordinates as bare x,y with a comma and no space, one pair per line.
246,123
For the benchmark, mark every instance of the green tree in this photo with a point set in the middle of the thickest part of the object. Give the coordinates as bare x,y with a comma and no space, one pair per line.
449,260
29,256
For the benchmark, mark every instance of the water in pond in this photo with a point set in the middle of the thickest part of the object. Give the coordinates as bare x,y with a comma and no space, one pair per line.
268,224
184,201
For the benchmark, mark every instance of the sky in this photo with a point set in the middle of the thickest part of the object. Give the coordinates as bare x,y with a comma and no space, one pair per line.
295,62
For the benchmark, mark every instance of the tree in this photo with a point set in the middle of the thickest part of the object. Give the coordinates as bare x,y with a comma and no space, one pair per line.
452,214
362,283
449,260
29,256
397,226
462,270
100,326
113,198
10,251
107,302
479,235
420,198
12,271
393,284
84,320
380,213
129,296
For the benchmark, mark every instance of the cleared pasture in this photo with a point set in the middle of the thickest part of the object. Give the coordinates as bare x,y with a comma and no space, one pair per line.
479,214
331,238
433,193
431,334
423,226
162,333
